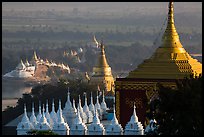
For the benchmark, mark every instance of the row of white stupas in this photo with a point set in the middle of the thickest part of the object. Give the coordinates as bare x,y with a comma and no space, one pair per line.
80,121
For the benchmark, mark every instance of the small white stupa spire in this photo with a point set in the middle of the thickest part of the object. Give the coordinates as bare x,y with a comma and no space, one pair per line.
53,114
39,113
91,105
86,110
114,128
134,117
25,117
74,106
60,118
43,118
82,113
43,124
47,115
61,127
33,119
134,127
68,111
96,120
96,128
78,127
98,107
103,105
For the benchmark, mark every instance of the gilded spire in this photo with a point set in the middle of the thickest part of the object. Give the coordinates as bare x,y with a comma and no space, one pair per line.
102,62
35,56
171,37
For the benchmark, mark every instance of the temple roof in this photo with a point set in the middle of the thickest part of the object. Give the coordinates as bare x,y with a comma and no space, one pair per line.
170,60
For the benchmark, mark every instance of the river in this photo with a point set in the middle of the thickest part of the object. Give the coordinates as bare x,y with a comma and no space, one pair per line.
12,89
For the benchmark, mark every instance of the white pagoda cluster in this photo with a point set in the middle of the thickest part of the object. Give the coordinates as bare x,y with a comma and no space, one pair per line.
80,121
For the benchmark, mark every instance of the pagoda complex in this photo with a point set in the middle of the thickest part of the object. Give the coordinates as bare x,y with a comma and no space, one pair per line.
102,75
170,62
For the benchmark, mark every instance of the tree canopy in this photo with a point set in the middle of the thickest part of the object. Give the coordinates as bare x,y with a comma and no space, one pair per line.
179,111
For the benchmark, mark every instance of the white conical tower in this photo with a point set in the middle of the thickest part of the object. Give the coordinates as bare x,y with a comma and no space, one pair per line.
68,111
47,115
61,127
33,119
103,106
98,107
91,105
114,128
74,106
53,114
78,127
96,128
39,113
82,113
43,124
134,127
86,110
25,125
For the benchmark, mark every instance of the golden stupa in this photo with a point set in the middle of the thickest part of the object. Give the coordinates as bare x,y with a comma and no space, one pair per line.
169,63
102,74
170,60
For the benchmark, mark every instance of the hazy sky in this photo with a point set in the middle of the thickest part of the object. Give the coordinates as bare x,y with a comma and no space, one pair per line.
104,6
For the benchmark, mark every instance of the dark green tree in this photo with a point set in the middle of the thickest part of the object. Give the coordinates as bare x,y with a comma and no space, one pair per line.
179,111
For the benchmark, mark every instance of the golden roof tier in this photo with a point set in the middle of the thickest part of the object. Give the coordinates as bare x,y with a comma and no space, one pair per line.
170,60
102,74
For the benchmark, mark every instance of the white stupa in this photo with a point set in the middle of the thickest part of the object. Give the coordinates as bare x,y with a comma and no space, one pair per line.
39,113
78,127
53,114
114,128
33,119
103,106
74,106
134,127
68,111
61,127
98,107
43,124
96,128
82,113
86,110
91,105
25,125
47,115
